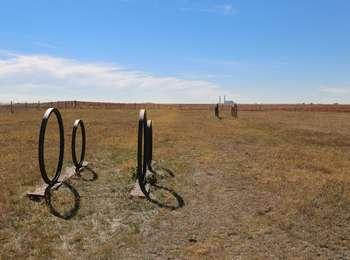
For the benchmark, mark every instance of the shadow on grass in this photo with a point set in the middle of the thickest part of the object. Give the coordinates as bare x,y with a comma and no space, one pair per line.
179,200
91,176
168,171
72,211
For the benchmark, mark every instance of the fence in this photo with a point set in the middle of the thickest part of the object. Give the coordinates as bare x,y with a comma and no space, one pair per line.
13,107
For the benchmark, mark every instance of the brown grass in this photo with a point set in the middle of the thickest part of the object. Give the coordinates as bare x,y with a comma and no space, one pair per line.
271,184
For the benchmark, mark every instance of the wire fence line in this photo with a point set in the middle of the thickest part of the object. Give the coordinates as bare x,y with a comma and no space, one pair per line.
12,107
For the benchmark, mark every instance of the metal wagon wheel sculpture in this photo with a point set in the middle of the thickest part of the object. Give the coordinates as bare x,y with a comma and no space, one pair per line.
143,147
216,111
44,122
149,144
78,164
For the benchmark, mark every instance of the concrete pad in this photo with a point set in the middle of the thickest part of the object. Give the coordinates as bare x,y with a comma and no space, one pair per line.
39,193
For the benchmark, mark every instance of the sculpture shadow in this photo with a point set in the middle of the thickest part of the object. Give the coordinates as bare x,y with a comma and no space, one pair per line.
168,171
87,174
72,211
179,200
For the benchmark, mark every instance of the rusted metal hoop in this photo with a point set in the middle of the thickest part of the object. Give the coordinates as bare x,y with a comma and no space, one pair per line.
142,151
44,122
78,123
235,109
149,140
216,110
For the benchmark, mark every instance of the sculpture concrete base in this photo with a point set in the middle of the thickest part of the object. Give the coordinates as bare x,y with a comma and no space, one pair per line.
39,193
136,192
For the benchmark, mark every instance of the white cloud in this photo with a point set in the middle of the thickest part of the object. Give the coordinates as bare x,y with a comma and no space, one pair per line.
222,9
226,9
42,77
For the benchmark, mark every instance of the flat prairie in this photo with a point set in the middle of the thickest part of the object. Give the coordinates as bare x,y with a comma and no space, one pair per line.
268,185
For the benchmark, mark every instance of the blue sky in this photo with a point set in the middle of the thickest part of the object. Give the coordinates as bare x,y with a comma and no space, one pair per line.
183,51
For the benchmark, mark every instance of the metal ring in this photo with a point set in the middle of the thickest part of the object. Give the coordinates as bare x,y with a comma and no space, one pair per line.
78,123
44,122
141,150
216,110
149,143
235,110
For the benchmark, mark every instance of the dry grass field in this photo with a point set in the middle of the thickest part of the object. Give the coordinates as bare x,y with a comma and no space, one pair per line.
270,185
